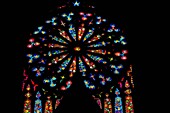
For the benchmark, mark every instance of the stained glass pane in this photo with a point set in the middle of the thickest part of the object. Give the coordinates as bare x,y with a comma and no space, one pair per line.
76,41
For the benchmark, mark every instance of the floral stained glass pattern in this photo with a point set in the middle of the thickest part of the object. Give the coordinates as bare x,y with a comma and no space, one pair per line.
75,40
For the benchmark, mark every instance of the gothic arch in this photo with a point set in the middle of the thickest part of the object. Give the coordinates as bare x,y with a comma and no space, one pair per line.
76,41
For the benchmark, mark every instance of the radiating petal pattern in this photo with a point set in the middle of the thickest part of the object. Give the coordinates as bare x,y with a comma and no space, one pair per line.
76,41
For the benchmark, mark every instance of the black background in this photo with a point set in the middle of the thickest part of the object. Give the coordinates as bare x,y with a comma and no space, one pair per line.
127,15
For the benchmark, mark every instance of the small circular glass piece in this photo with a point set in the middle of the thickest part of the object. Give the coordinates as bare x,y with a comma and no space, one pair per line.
77,48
